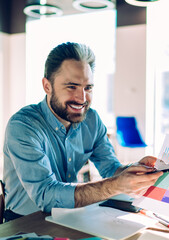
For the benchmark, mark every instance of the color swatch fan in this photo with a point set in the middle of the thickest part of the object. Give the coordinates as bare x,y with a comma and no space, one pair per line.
156,199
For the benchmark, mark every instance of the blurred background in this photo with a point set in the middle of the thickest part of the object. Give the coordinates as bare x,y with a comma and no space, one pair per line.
131,44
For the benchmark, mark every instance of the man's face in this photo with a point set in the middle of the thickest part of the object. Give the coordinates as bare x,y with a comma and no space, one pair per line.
71,93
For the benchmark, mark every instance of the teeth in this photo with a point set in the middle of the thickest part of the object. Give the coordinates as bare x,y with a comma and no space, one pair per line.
76,107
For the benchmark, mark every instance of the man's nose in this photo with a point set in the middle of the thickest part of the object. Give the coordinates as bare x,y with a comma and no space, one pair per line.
81,96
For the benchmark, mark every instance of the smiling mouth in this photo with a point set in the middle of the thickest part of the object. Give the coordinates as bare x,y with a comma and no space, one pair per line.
77,107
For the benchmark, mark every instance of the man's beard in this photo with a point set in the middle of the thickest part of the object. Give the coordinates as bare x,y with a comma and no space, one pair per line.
63,113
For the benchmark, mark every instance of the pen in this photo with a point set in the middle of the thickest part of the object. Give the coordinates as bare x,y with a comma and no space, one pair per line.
163,223
154,216
159,217
158,229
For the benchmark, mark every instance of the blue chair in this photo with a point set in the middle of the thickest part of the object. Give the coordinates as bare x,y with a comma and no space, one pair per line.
127,132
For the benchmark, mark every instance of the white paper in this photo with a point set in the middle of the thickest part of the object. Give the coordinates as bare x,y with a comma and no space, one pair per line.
163,157
153,236
152,205
99,221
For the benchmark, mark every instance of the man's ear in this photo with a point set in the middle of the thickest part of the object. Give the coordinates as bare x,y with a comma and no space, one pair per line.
47,86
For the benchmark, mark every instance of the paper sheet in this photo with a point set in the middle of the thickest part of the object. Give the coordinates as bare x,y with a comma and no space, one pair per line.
99,221
163,157
153,236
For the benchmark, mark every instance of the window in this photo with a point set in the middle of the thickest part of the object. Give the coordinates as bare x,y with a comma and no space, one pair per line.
158,73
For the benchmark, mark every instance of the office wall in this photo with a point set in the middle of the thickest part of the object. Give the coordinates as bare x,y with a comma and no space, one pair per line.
12,79
130,80
12,62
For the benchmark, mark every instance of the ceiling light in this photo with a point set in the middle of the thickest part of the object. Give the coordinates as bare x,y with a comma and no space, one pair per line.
141,3
90,5
38,10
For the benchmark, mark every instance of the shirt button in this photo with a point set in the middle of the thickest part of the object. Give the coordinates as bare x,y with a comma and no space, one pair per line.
62,127
70,159
56,128
69,176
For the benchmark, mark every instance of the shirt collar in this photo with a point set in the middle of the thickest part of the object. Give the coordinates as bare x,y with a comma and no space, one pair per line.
51,119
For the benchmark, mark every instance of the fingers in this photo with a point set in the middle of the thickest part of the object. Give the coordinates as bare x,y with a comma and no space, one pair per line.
135,179
139,168
148,161
149,177
141,189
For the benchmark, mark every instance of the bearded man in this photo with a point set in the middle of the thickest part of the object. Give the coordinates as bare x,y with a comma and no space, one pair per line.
47,144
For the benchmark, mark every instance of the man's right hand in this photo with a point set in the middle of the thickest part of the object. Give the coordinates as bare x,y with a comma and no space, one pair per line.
135,181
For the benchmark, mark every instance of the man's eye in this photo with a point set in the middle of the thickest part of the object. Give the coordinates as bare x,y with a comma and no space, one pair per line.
88,88
71,87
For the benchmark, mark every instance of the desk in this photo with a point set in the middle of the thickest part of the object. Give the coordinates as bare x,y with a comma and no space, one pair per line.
36,223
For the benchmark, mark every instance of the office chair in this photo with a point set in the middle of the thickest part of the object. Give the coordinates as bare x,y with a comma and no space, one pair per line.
2,201
127,133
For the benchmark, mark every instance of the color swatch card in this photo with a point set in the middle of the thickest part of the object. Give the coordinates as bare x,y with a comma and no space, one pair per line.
156,199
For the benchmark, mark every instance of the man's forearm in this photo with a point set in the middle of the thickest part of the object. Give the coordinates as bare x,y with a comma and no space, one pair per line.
132,180
92,192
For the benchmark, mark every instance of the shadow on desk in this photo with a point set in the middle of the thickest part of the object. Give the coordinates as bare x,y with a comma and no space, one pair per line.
36,223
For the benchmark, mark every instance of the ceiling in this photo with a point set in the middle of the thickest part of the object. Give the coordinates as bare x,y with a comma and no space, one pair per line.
65,5
12,18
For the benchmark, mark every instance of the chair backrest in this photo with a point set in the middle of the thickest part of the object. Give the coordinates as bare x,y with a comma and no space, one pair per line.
128,135
125,122
2,201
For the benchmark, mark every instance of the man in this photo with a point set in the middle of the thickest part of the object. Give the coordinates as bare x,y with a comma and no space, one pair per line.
48,143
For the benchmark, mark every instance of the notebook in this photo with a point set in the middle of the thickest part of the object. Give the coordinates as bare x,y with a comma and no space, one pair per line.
99,221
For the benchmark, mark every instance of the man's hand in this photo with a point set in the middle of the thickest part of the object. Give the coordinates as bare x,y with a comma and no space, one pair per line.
135,180
148,161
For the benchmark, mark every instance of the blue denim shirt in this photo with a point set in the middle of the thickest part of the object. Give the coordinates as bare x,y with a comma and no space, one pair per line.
41,159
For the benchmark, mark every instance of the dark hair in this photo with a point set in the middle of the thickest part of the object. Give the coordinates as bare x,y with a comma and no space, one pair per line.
65,51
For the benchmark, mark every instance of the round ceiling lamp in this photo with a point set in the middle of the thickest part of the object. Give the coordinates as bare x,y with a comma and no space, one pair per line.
90,5
39,10
141,3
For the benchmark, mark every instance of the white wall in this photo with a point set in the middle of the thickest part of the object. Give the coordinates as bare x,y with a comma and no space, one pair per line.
12,79
4,80
130,79
17,71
